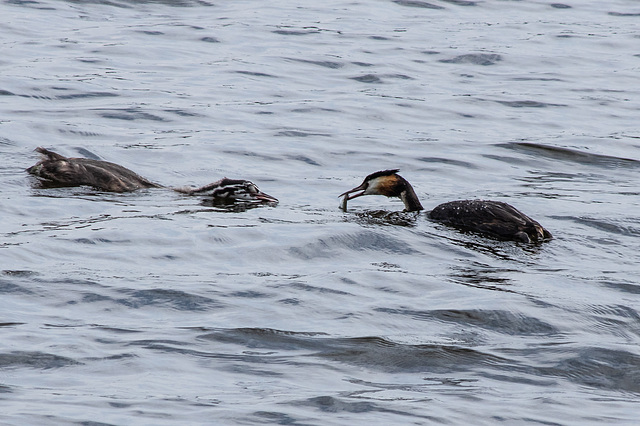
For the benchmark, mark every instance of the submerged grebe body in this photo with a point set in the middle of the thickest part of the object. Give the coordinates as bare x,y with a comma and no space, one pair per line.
57,170
493,218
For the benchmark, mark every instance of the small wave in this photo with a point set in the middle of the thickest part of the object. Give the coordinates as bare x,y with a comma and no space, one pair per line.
256,74
324,64
366,240
504,322
605,225
174,299
568,154
369,351
129,114
528,104
39,360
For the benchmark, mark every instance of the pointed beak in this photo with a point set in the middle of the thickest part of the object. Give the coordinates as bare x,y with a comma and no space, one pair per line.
265,198
362,188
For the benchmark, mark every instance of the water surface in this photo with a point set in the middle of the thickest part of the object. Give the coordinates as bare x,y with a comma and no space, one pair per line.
154,308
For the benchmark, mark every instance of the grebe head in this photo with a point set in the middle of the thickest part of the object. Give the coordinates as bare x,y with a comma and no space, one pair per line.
387,183
233,190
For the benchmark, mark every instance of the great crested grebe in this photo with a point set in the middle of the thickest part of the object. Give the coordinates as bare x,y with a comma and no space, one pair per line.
56,170
493,218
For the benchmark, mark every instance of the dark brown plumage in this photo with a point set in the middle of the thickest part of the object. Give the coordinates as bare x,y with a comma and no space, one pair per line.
494,218
56,170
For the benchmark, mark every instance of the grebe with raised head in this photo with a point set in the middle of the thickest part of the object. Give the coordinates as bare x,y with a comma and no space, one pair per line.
493,218
55,170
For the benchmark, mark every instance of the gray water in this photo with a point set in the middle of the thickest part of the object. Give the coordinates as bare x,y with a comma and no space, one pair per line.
153,308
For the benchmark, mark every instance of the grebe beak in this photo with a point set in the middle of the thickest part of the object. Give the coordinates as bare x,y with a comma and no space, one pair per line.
362,188
265,198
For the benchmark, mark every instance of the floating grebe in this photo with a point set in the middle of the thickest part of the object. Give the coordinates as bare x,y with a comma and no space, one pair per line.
56,170
493,218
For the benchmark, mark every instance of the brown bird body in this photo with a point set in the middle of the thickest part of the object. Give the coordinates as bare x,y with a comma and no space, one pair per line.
57,170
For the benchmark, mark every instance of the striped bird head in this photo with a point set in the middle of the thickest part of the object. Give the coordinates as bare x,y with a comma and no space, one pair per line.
234,190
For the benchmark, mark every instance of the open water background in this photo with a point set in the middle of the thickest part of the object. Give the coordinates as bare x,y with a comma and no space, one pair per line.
152,309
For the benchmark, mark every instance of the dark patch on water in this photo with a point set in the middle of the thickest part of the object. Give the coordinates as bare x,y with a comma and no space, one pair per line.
568,154
89,297
528,104
324,64
266,337
11,324
304,159
39,360
316,289
256,74
560,6
536,79
299,134
88,95
314,109
173,299
296,32
274,417
250,294
8,287
129,114
399,76
153,33
94,241
29,3
334,405
624,14
475,59
19,273
449,161
368,78
504,322
617,320
626,287
595,367
83,133
417,3
607,225
598,367
383,354
210,40
183,113
330,404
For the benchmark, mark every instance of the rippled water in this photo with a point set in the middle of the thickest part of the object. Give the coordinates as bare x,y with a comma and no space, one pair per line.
152,308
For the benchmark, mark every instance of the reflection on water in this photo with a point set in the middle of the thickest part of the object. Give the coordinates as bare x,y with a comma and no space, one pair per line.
155,308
